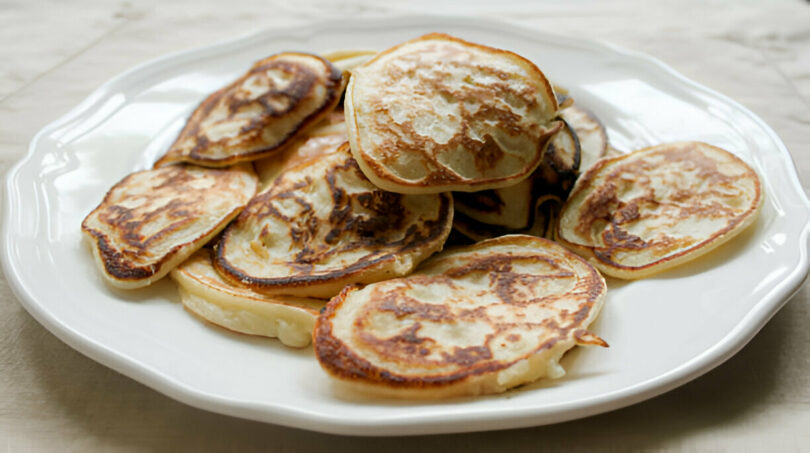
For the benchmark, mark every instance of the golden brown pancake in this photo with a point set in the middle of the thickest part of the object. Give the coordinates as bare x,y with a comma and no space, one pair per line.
261,112
152,220
437,113
472,320
206,294
659,207
322,225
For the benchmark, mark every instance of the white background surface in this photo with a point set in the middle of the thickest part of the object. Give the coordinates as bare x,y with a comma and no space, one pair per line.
52,397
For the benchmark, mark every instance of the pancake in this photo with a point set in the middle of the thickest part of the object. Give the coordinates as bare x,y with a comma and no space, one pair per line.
206,294
528,207
592,136
261,112
152,220
322,225
322,139
544,215
437,114
347,60
659,207
563,96
472,320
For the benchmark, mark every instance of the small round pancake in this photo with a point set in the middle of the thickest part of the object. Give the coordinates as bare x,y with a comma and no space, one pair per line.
275,101
322,225
206,294
152,220
438,113
472,320
658,207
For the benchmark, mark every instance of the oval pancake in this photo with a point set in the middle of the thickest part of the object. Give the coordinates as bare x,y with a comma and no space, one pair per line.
261,112
658,207
322,225
437,114
472,320
206,294
152,220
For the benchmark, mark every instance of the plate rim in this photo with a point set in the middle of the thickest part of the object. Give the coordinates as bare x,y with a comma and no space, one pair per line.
725,348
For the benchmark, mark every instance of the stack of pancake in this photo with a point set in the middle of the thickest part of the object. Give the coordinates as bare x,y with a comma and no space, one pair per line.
311,200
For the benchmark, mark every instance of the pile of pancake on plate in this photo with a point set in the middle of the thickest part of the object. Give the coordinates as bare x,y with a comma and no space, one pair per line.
339,182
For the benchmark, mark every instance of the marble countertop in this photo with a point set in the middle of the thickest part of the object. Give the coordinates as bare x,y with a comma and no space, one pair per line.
55,53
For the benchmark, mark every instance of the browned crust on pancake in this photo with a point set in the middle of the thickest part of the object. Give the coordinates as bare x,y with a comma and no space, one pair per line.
302,281
339,360
445,36
550,182
386,204
605,207
294,94
133,264
485,153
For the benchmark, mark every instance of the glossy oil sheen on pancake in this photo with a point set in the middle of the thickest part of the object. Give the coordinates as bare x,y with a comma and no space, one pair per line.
206,294
472,320
275,101
152,220
650,210
322,225
438,113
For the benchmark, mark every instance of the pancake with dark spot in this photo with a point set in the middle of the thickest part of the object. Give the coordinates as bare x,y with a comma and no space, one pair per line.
261,112
322,225
472,320
659,207
152,220
528,207
437,113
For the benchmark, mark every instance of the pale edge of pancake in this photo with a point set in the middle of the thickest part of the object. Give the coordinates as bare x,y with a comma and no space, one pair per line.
669,262
347,60
240,310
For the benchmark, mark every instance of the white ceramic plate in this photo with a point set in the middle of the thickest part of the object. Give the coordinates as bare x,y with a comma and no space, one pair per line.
663,331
